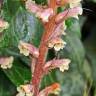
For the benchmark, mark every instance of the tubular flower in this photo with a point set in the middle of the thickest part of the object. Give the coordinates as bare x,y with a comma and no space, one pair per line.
73,12
32,7
56,43
59,31
52,89
42,13
25,90
62,64
3,25
45,14
6,62
26,49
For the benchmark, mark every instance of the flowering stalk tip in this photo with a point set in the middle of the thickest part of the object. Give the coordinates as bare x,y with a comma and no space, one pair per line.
54,24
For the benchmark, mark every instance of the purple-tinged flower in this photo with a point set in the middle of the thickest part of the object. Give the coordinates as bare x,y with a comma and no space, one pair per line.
26,49
56,43
42,13
62,64
31,6
73,12
6,62
45,14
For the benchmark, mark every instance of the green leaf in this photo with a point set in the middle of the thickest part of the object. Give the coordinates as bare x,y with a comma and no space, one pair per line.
74,26
90,46
19,74
6,87
9,9
87,70
72,83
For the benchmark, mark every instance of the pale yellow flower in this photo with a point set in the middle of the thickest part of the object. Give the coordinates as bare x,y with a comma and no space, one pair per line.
57,44
24,90
65,65
3,25
23,48
26,49
74,3
6,62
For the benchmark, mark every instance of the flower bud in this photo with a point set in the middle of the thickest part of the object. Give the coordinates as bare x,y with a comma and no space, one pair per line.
62,64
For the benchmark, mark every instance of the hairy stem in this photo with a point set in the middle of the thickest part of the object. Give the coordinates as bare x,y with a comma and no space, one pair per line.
38,72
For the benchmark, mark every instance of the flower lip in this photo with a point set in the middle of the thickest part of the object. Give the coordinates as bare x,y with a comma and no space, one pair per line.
56,43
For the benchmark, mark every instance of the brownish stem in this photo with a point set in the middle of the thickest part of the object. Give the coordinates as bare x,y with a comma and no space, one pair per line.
38,72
